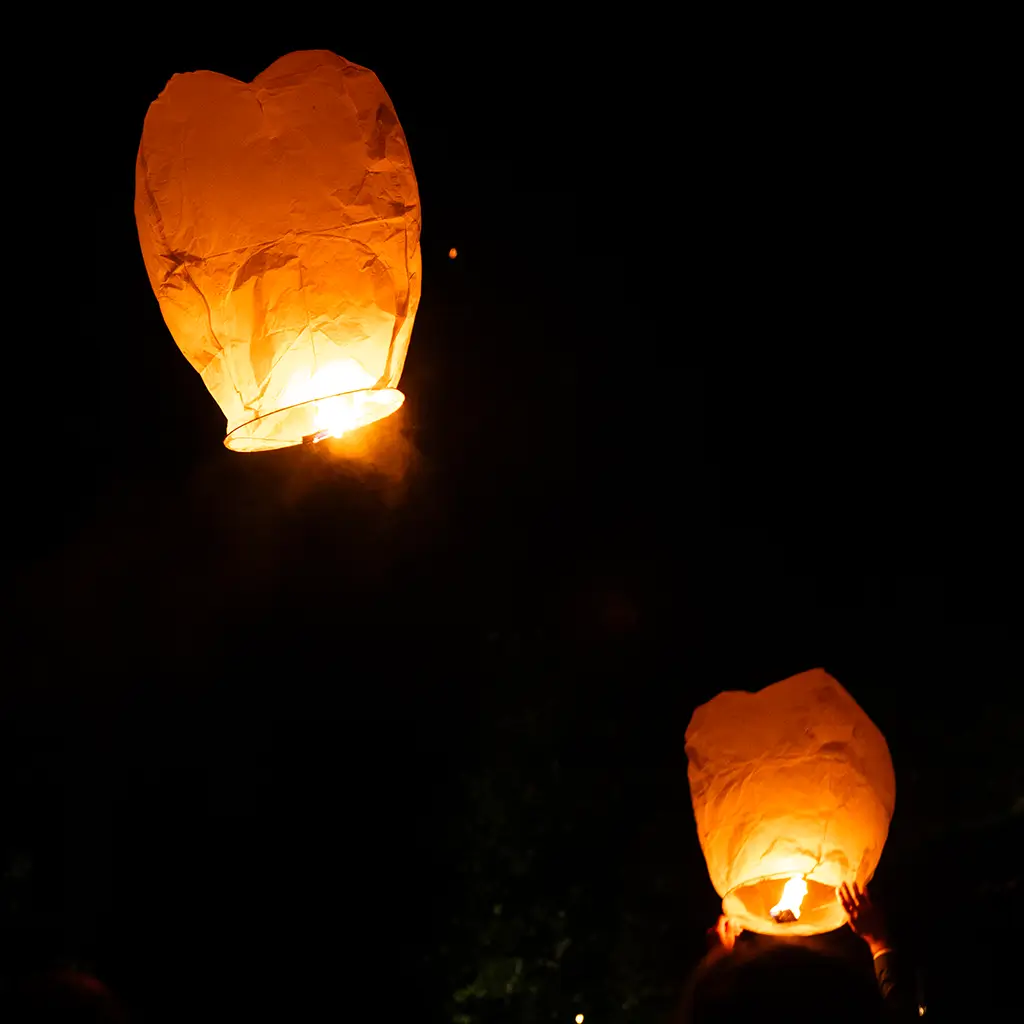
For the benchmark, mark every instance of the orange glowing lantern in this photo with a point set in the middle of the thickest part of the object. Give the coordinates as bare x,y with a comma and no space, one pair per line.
280,222
793,791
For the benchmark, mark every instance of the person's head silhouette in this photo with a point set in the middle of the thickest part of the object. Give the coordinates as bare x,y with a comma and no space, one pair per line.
784,981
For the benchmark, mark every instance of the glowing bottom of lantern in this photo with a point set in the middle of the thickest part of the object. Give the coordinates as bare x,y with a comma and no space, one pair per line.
755,904
314,420
340,414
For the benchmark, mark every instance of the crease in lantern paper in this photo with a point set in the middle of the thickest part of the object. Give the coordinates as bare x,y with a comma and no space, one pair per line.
745,829
251,405
335,234
167,250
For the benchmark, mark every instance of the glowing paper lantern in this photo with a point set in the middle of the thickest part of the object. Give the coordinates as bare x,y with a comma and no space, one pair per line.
280,224
793,791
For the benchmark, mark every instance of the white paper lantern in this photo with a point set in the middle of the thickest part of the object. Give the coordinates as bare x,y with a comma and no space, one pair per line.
791,786
279,221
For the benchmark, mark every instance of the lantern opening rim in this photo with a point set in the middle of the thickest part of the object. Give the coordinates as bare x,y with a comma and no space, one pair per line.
819,913
257,444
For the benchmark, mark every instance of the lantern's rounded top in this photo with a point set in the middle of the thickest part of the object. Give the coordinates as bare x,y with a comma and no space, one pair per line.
302,63
312,421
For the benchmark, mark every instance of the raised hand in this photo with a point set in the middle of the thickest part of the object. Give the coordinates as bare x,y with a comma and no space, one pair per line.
725,932
866,919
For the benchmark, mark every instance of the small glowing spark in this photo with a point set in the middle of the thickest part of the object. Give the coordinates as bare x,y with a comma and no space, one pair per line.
579,1018
452,253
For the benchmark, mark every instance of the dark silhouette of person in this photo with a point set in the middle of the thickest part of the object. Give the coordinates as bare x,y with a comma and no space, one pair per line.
867,921
799,980
784,980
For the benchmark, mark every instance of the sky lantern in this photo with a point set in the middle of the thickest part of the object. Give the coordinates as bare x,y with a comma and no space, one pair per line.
280,227
793,791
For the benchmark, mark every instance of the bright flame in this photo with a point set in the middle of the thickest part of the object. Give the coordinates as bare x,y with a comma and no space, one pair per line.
792,896
579,1018
353,401
337,416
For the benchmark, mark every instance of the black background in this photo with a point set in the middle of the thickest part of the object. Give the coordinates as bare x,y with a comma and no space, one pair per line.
719,388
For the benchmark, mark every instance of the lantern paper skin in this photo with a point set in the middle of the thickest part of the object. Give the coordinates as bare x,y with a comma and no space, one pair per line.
280,224
792,780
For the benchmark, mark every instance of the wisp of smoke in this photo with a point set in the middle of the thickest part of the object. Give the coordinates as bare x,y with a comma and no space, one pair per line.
382,456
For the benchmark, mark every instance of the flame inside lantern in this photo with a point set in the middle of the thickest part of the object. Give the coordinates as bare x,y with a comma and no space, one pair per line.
342,398
793,893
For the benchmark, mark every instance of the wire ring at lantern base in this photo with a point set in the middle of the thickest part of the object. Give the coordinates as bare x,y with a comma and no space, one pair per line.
310,421
821,911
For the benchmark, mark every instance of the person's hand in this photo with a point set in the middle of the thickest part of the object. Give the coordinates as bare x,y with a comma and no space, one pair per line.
725,933
866,919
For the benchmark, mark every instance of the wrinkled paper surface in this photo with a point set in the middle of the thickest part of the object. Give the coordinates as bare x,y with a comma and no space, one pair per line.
793,779
279,222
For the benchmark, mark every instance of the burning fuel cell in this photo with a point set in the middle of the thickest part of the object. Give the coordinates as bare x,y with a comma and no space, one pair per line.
787,910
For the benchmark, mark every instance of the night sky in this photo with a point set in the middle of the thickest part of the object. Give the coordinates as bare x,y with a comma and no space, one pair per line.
719,388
